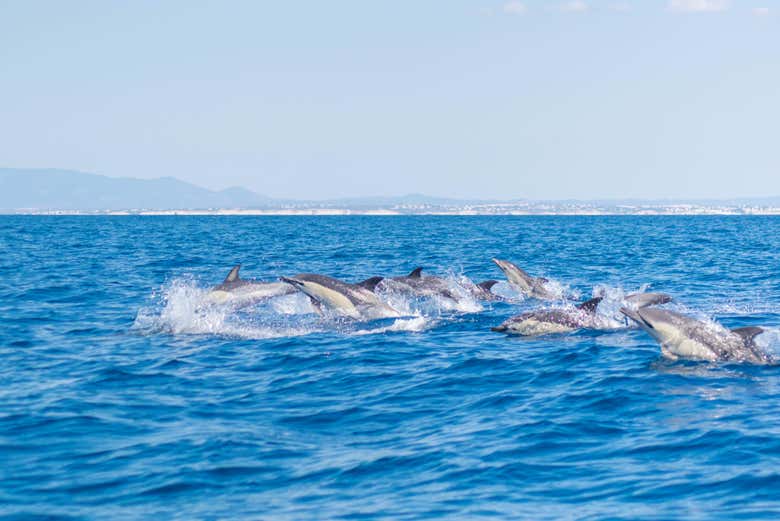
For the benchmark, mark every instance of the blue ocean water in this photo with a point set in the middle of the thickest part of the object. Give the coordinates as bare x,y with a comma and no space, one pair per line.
123,397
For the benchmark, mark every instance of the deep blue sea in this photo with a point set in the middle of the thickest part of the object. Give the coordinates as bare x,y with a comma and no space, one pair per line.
124,397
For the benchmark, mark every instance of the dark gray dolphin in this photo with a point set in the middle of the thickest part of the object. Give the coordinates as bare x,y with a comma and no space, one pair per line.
550,321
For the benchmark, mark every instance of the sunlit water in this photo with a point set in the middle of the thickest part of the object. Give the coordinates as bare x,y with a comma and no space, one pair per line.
125,395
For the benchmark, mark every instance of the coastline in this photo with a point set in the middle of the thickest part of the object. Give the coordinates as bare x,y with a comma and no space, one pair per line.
464,211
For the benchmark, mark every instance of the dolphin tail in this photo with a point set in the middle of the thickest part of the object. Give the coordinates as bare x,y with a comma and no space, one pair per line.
233,275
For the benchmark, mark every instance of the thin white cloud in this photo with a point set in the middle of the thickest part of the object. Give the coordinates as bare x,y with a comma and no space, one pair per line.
698,6
574,6
515,7
760,11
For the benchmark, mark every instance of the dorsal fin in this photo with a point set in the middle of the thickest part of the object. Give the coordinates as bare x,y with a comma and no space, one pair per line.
748,333
416,273
487,284
590,305
233,275
370,284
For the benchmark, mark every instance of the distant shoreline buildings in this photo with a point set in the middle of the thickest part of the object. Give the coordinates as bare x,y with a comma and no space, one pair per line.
500,209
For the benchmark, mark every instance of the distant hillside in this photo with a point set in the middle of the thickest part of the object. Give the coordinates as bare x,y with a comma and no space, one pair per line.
44,190
70,190
55,189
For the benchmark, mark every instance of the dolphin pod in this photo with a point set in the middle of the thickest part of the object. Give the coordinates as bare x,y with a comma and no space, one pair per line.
679,336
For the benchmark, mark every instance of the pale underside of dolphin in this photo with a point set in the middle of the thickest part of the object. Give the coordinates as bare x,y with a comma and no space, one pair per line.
243,292
534,287
350,300
567,320
681,336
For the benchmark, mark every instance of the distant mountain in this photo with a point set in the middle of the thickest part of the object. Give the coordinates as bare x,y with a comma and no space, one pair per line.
55,189
69,190
44,190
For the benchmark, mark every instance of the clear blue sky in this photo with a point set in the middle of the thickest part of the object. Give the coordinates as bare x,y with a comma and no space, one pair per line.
316,99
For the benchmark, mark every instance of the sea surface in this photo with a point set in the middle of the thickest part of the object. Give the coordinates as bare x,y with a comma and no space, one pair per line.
123,395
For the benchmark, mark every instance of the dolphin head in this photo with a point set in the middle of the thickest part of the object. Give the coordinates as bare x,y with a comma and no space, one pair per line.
663,325
299,284
304,284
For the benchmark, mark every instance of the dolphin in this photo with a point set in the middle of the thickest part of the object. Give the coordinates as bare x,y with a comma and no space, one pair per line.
356,301
431,285
643,300
566,320
550,321
427,286
530,286
243,292
681,336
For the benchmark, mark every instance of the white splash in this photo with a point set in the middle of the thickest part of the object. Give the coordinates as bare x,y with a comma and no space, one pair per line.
414,325
769,342
183,308
399,297
612,299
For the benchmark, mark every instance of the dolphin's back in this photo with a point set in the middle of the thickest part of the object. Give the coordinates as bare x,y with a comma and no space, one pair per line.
356,294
